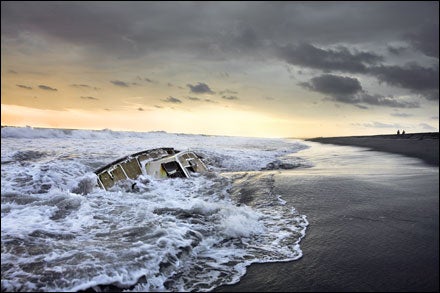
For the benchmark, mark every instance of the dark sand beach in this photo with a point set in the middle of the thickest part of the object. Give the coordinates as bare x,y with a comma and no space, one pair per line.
370,229
419,145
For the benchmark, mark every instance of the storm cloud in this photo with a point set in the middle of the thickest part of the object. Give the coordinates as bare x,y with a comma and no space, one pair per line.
396,50
380,100
426,39
418,79
341,59
130,30
293,32
364,54
349,90
334,85
423,81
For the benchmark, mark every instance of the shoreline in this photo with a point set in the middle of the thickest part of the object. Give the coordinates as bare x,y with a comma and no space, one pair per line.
424,146
369,231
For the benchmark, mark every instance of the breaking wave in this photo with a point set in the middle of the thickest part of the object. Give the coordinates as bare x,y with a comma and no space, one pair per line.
167,235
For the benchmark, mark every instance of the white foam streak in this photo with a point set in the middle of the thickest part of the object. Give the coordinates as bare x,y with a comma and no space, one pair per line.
241,224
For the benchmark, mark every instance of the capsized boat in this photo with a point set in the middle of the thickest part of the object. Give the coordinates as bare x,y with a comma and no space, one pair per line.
157,163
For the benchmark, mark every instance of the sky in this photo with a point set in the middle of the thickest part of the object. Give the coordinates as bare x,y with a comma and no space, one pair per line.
262,69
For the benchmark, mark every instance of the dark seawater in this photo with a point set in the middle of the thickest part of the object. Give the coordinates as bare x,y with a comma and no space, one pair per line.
60,232
271,215
373,225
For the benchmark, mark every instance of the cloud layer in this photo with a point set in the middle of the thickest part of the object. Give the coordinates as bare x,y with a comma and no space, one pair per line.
371,55
349,90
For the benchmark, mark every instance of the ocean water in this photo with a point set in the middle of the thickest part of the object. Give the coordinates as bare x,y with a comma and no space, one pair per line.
373,225
61,232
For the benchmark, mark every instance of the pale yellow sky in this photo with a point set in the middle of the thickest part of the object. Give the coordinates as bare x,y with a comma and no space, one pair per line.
224,71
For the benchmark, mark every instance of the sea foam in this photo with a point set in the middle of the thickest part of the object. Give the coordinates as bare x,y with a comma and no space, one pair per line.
169,235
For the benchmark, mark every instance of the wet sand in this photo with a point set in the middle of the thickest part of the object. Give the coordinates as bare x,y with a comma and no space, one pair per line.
374,229
419,145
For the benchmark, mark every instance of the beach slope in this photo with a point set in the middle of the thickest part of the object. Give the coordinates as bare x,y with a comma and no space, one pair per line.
419,145
373,219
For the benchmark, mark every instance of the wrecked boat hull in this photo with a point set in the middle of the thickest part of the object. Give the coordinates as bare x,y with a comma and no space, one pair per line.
158,163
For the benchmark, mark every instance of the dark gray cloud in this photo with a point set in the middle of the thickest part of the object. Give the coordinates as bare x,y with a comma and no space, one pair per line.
119,83
396,50
200,88
342,59
47,88
418,79
380,100
12,71
89,98
247,37
316,35
425,38
140,109
134,29
423,81
173,100
193,98
334,85
24,86
349,90
239,40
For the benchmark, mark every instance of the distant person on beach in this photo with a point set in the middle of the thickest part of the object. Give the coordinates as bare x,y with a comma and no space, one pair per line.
403,132
398,132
